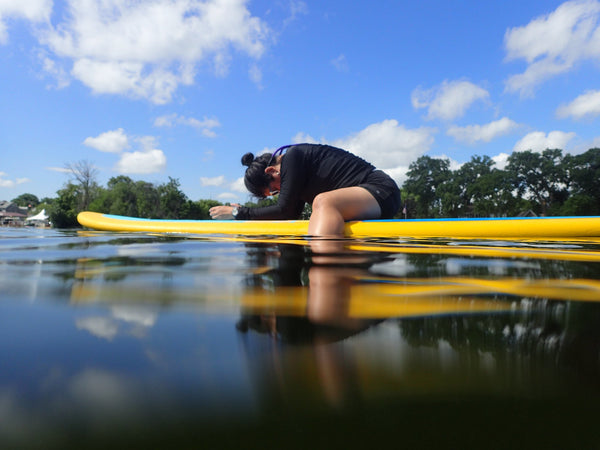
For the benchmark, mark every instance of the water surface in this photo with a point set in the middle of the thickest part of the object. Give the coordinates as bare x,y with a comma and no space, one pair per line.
137,340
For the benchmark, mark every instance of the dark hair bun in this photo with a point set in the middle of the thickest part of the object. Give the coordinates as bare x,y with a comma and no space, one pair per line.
247,159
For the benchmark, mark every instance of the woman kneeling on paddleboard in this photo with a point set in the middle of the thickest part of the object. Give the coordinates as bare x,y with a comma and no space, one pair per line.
340,186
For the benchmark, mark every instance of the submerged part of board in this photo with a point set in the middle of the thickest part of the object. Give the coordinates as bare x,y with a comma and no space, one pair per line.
504,228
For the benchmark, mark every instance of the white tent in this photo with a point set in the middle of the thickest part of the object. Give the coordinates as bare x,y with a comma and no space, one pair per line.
41,217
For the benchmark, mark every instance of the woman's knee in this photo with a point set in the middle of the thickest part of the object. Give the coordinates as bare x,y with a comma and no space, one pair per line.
322,201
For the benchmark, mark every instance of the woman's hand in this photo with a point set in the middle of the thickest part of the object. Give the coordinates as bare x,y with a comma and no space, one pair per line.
222,212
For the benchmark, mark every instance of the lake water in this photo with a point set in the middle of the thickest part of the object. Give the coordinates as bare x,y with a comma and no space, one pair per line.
129,340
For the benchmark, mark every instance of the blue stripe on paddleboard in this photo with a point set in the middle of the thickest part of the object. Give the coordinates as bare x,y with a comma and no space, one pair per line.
143,219
477,219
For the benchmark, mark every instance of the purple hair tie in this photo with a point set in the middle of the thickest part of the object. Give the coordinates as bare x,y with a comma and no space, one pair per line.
276,152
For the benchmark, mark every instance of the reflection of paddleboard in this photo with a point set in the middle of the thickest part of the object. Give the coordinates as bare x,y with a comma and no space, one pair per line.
515,228
371,297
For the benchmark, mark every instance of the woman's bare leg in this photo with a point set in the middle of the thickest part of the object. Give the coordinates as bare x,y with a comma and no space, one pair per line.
331,209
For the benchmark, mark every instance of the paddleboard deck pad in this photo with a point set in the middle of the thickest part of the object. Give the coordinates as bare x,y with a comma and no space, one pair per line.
483,228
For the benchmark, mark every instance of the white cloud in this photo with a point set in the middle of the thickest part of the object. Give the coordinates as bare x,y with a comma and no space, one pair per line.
56,72
594,144
297,8
227,196
584,145
553,44
148,49
538,141
208,155
450,100
6,183
11,183
168,120
303,138
32,10
142,162
239,186
587,104
206,125
214,181
501,160
118,77
340,63
255,75
114,141
473,134
59,169
388,145
148,159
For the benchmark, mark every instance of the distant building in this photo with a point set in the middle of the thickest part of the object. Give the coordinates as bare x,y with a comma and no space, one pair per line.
41,220
11,214
528,213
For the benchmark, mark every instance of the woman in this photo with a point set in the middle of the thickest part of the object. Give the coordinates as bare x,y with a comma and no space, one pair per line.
339,185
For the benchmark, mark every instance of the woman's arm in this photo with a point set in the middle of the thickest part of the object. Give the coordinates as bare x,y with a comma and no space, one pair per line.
223,212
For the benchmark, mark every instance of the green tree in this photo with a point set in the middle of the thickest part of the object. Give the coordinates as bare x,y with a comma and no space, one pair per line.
26,200
122,195
147,200
84,175
493,196
126,197
476,180
63,213
425,186
486,191
172,201
45,204
584,174
199,210
540,177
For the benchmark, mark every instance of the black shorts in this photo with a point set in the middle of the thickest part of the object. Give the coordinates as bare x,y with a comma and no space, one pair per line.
386,192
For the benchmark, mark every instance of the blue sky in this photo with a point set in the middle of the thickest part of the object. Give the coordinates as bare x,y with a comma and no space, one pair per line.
182,88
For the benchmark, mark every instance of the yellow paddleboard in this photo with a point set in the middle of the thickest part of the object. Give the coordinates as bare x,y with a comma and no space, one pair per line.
489,228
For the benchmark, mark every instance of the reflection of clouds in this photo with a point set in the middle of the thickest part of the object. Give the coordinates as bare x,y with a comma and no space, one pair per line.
102,327
135,315
93,396
499,267
14,421
133,250
100,391
140,319
399,267
63,407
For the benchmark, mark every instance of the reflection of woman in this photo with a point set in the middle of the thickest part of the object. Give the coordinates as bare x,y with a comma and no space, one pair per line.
322,364
328,297
339,185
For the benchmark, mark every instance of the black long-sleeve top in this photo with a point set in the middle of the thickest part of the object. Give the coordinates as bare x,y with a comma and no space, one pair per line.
308,170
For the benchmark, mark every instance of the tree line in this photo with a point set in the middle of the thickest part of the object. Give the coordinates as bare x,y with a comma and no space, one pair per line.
547,183
121,196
